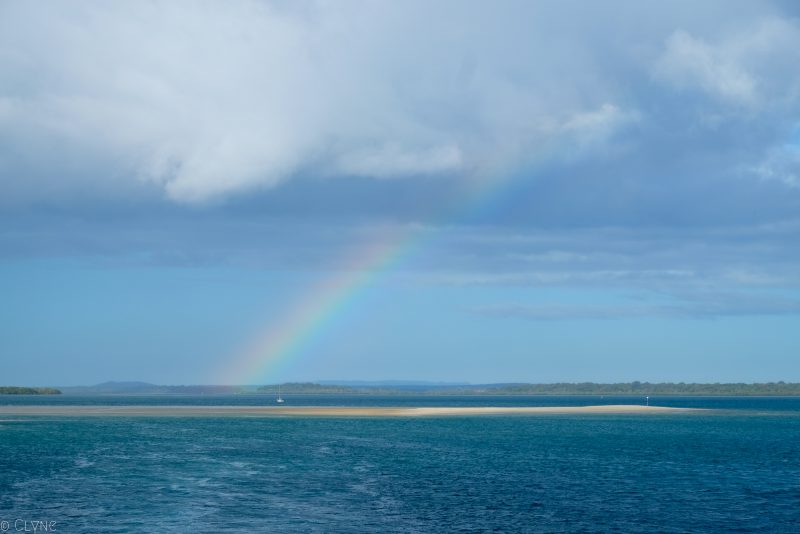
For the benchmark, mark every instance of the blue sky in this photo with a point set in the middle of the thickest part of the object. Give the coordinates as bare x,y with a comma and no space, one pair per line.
595,191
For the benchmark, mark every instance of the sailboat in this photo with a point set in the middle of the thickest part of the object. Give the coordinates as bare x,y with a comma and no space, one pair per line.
279,400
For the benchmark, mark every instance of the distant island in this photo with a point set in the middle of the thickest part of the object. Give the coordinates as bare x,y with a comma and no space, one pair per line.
564,388
16,390
421,388
643,388
311,388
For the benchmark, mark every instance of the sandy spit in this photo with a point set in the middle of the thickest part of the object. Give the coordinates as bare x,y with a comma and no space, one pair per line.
323,411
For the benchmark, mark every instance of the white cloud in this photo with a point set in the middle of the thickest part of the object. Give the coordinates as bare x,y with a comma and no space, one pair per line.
598,124
207,99
752,67
781,164
391,161
689,62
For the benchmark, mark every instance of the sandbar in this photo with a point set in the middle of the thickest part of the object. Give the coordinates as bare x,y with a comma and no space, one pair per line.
326,411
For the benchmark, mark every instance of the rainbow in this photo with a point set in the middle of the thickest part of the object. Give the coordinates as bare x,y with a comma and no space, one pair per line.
283,340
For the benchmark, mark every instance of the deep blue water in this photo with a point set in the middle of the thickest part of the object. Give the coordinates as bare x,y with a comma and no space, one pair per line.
737,470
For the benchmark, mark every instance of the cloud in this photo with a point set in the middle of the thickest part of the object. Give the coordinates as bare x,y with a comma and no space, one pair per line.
689,62
560,312
781,164
749,67
598,125
391,161
270,133
696,305
204,100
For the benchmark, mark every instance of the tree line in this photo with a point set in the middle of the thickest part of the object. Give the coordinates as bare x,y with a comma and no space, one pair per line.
16,390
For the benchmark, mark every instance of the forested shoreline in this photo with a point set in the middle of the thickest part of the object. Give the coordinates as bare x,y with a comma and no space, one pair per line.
17,390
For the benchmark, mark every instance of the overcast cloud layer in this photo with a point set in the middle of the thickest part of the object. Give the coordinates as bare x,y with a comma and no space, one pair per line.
205,100
653,146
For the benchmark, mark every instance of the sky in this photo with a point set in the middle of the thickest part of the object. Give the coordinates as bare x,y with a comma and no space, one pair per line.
251,192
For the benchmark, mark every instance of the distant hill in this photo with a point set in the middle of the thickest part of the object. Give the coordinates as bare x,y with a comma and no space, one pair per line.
145,388
16,390
423,388
114,388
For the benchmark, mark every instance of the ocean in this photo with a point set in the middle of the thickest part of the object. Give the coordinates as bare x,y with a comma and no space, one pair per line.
736,469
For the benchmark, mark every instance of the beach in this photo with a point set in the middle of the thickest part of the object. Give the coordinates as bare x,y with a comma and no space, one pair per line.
326,411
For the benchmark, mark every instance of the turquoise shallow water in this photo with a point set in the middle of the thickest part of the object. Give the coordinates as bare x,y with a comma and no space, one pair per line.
733,471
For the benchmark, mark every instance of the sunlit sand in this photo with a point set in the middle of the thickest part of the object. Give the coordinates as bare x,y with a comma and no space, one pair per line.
322,411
